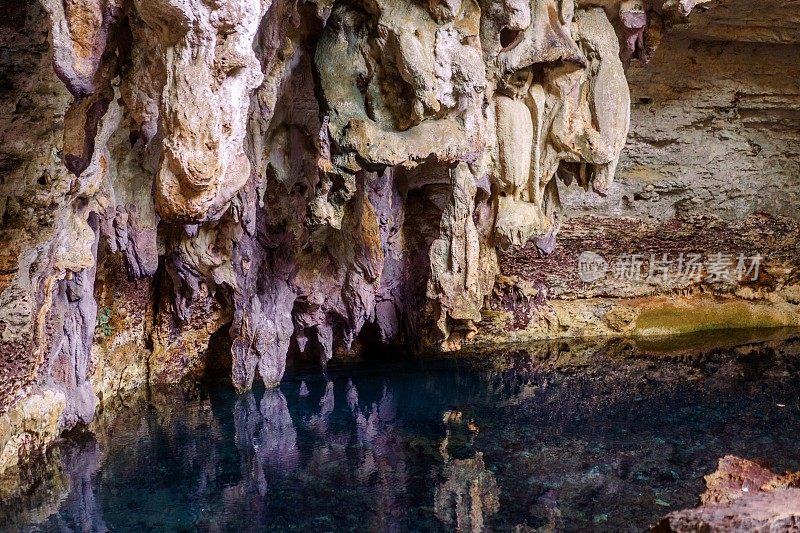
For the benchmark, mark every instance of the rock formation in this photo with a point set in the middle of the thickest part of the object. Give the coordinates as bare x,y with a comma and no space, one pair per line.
284,175
741,496
708,177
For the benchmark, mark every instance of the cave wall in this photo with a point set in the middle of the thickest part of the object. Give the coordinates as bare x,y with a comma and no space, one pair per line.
289,174
710,167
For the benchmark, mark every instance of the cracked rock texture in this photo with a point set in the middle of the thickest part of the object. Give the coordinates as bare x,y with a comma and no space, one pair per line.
741,495
279,179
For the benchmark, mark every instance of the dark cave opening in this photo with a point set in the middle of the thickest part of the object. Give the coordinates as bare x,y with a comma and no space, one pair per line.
218,359
509,38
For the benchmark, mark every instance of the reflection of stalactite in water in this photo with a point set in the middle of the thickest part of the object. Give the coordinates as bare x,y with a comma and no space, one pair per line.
461,431
266,439
360,442
69,502
83,511
319,423
469,495
381,455
352,395
247,420
369,444
278,437
267,444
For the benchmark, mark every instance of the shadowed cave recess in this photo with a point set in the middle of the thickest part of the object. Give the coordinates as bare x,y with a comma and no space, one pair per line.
197,188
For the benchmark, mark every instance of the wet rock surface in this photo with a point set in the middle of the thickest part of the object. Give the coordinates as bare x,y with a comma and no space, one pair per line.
742,496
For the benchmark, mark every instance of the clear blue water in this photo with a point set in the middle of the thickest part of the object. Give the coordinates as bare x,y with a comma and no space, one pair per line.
558,437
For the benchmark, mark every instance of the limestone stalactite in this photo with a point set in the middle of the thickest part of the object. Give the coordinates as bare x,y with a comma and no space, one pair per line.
291,173
481,104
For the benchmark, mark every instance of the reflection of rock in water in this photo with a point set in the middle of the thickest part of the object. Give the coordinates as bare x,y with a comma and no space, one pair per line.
352,395
353,445
469,496
461,431
266,438
319,423
278,445
579,437
267,444
82,511
380,456
68,502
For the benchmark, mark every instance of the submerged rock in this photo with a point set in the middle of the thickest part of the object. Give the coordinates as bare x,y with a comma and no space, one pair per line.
741,496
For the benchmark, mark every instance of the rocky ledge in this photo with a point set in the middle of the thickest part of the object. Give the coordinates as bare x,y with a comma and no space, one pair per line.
741,495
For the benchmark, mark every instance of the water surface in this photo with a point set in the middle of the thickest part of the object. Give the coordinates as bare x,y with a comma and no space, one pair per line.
566,437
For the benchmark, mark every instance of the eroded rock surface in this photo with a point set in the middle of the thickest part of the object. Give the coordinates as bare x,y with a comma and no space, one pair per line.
289,177
741,496
709,168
